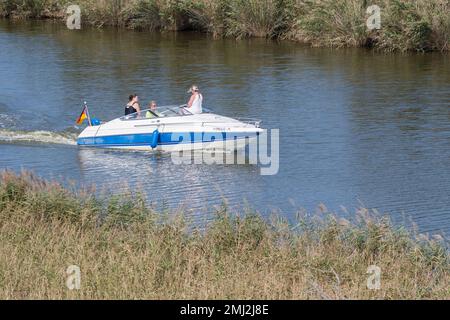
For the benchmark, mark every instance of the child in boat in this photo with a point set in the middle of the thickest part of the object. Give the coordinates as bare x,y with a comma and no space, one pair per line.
152,112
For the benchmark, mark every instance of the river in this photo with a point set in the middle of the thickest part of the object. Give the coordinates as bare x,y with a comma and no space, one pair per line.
357,128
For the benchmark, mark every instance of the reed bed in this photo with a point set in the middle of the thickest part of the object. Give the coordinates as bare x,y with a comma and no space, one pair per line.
126,250
407,25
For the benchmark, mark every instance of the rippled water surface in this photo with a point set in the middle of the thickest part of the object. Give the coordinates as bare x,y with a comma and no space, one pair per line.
357,128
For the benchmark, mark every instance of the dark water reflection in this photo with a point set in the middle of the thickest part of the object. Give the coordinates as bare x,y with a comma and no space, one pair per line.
357,127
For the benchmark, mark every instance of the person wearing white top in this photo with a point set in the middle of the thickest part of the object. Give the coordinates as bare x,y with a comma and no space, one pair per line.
195,104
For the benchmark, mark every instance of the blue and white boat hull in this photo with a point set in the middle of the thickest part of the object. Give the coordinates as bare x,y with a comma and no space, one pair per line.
172,133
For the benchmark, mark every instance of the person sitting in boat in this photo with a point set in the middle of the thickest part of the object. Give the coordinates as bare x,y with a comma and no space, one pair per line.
133,105
195,104
152,113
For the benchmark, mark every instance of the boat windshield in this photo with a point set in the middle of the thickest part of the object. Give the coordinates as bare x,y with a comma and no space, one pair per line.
160,112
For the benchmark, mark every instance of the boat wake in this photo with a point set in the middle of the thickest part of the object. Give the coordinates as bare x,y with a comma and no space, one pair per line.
67,137
6,121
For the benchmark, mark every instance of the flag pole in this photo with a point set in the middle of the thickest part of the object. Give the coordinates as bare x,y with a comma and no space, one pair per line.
88,115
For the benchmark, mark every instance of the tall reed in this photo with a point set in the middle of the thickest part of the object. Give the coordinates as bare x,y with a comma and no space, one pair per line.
126,249
407,25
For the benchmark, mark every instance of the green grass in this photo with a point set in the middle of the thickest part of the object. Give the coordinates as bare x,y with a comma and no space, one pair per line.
127,250
407,25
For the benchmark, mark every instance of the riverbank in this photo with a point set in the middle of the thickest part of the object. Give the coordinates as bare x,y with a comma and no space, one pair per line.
127,250
406,25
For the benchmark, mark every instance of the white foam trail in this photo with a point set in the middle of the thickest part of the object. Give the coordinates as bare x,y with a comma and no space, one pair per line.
6,121
38,136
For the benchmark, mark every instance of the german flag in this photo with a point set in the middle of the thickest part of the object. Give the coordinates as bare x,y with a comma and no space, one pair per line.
83,116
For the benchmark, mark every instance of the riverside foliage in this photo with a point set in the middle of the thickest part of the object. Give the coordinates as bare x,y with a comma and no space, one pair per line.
127,250
407,25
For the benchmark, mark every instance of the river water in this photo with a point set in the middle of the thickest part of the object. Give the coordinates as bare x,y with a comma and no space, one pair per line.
357,128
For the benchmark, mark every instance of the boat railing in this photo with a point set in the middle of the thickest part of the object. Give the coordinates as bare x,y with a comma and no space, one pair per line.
251,121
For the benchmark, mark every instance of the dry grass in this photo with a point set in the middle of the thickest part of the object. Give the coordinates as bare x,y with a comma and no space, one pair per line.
126,250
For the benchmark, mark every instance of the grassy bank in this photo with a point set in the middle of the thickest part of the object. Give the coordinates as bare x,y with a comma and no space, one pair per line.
126,250
407,25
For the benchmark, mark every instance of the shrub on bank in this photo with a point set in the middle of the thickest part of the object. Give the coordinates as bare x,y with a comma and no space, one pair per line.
407,25
331,23
127,250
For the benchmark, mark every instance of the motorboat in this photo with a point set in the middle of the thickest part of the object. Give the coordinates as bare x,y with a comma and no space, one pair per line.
171,128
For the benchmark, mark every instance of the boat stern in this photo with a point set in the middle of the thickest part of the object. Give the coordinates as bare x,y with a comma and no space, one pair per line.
87,136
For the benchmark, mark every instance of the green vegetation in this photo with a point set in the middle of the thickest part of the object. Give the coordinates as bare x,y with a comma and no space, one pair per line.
127,250
407,25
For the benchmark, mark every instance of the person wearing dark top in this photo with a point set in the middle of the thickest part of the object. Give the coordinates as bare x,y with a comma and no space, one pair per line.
132,105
